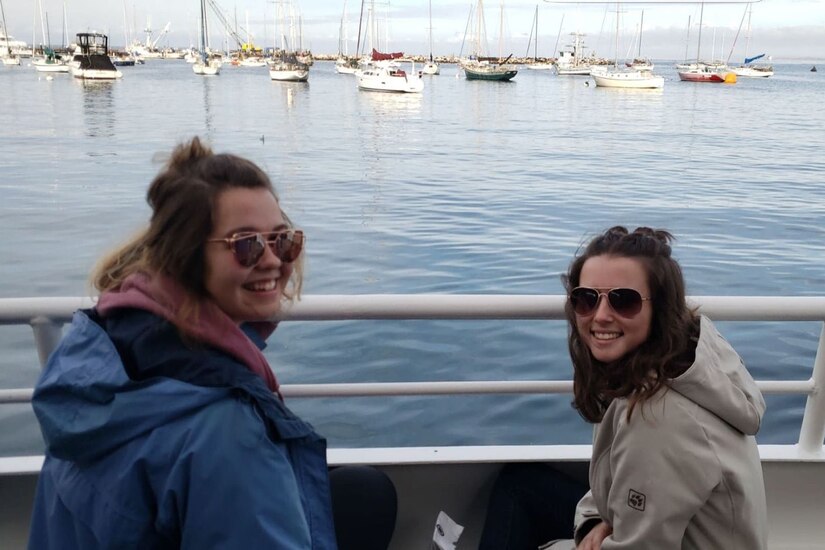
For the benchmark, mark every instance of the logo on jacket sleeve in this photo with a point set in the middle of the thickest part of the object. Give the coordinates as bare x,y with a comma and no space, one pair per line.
636,500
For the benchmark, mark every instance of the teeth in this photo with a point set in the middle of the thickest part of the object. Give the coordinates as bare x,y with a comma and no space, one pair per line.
606,335
263,286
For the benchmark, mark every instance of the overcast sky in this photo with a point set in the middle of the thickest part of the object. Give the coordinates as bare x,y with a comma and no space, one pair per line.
784,29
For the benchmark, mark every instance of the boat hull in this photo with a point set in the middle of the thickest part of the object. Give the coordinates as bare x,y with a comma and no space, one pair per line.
43,67
206,69
691,76
633,79
750,72
431,68
289,75
503,75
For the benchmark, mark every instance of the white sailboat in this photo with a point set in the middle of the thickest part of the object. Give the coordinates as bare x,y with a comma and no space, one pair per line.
285,66
7,56
618,77
345,64
536,65
430,66
748,68
640,62
205,66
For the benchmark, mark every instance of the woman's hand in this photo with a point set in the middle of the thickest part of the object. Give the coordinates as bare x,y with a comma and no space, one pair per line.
593,539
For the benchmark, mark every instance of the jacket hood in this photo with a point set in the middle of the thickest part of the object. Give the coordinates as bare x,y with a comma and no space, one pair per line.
719,382
87,406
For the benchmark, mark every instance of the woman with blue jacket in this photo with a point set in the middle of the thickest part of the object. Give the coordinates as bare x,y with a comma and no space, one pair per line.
163,423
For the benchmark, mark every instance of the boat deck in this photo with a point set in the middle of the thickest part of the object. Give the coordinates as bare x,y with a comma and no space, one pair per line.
457,480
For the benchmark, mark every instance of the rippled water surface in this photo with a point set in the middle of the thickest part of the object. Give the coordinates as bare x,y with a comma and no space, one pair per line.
469,187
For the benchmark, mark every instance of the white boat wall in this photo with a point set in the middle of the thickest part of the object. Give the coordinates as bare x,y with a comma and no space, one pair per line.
458,479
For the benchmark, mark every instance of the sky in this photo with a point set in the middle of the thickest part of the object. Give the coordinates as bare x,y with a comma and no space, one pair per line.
786,30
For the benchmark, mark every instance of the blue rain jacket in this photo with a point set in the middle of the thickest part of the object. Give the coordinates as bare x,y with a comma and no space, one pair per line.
153,442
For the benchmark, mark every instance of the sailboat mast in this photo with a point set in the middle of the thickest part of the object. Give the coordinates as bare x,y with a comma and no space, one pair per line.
431,30
616,60
641,25
536,44
699,42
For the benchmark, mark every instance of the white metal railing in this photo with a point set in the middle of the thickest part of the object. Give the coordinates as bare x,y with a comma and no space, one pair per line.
46,316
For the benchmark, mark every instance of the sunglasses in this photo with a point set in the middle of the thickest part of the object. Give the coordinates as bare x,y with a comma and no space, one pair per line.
624,301
248,248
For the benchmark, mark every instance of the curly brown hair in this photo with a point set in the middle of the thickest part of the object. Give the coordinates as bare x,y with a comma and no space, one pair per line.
182,197
670,346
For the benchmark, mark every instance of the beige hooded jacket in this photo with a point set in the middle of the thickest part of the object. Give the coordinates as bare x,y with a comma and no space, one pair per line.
684,472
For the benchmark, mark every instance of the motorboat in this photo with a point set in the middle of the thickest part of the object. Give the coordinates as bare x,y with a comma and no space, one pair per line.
91,60
388,76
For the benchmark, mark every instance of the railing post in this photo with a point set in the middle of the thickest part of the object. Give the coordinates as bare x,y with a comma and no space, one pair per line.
812,433
47,335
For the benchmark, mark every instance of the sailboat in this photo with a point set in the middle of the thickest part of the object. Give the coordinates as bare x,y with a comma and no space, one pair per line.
480,67
6,55
748,69
534,31
430,66
205,66
617,77
50,62
640,62
701,71
345,64
286,67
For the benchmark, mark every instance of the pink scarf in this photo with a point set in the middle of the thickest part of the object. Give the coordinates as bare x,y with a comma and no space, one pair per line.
164,297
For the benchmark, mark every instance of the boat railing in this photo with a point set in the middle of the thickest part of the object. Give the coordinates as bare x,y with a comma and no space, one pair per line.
46,316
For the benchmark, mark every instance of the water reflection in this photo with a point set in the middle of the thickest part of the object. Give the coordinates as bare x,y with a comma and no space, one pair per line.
292,92
98,107
207,108
390,104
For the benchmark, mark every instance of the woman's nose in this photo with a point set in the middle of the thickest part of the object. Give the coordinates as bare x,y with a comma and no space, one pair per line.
603,309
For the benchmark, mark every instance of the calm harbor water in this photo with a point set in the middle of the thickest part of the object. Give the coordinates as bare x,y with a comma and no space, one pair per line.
470,187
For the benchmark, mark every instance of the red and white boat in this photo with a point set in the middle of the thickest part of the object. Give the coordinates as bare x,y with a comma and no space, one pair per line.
703,72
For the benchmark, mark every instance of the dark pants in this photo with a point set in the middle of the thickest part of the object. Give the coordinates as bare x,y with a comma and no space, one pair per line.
364,505
531,503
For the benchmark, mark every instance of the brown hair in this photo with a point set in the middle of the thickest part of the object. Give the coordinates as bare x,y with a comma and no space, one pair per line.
669,348
182,197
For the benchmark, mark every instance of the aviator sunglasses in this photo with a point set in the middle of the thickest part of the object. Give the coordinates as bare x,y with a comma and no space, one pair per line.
248,248
624,301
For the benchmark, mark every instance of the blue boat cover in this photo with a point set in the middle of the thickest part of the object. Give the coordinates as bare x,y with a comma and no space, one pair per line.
752,59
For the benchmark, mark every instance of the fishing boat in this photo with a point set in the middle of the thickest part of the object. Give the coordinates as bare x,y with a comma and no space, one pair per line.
572,62
91,59
748,68
477,66
206,65
454,482
430,66
624,77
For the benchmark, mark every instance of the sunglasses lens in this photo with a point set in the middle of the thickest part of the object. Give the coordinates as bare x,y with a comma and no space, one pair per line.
625,301
248,250
584,300
287,246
